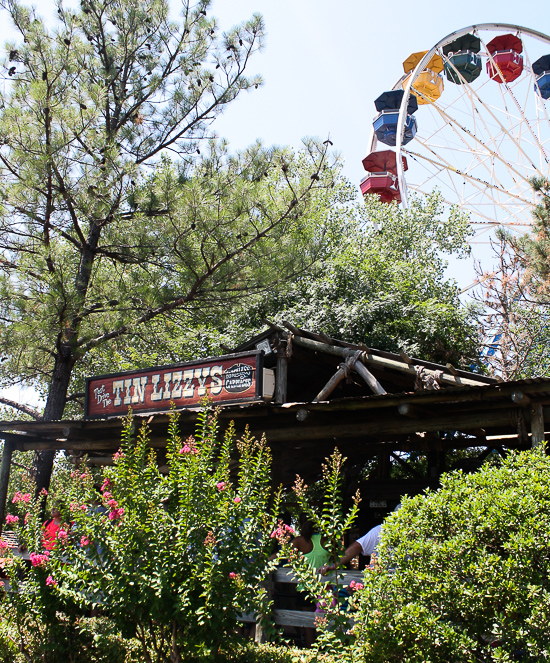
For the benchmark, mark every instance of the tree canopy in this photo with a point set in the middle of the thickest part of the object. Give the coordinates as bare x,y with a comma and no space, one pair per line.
381,281
119,206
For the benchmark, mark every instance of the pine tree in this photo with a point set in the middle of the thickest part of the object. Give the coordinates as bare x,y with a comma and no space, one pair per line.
118,206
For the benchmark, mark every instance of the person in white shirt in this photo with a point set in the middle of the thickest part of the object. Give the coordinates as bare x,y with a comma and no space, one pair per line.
367,545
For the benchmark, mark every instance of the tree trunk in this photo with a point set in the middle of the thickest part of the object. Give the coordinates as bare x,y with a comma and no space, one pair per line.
55,405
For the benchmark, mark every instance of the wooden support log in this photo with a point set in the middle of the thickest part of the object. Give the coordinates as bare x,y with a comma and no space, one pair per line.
335,380
5,478
537,425
383,362
281,379
408,410
519,398
385,425
369,378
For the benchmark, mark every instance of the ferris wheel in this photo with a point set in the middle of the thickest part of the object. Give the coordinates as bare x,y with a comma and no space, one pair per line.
468,116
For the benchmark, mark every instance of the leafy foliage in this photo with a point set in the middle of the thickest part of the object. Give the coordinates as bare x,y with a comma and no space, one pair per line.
381,281
173,560
463,572
119,206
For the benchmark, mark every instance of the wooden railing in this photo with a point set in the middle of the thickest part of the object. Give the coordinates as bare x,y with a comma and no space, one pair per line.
282,617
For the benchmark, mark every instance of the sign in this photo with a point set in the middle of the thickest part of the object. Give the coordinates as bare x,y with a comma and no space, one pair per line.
232,378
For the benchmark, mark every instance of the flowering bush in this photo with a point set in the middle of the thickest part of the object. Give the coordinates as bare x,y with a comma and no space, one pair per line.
334,622
173,559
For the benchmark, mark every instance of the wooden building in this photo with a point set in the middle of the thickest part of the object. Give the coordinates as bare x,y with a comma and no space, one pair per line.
309,393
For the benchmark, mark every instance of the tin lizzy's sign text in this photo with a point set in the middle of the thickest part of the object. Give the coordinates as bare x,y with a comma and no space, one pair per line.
224,379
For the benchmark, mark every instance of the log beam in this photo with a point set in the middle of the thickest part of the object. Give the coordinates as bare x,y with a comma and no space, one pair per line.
374,360
537,425
5,478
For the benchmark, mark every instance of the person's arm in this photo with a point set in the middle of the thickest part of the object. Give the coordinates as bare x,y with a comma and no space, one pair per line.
351,552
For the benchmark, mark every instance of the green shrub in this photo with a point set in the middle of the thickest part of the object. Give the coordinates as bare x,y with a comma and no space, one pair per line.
170,560
463,572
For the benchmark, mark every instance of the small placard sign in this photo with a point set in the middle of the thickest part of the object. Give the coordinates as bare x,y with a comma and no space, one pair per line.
224,379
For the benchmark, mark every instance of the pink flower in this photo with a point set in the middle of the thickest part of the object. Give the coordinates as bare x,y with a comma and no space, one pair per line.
43,492
106,484
62,535
237,500
37,559
73,506
27,516
185,449
83,476
26,497
232,575
17,497
84,507
51,581
84,541
118,455
11,520
220,486
115,514
113,504
107,495
3,545
356,586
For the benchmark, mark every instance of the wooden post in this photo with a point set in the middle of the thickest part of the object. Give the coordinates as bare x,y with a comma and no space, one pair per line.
5,478
281,379
537,425
260,636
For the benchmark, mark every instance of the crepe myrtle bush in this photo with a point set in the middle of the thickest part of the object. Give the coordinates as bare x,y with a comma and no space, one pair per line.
463,572
334,606
171,559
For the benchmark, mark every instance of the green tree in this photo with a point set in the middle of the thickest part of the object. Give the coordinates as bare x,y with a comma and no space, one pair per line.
463,571
118,206
381,281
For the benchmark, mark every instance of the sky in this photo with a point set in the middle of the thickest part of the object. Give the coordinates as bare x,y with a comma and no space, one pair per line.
324,63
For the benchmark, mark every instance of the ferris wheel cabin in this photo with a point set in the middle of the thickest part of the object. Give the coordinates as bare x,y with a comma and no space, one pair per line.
385,123
541,69
463,64
505,62
381,179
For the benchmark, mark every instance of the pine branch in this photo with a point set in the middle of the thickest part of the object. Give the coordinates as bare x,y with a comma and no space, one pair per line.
22,408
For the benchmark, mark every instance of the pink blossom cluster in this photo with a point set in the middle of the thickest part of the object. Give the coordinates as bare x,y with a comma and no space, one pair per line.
118,455
84,541
189,447
43,492
116,514
21,497
50,581
84,507
283,531
232,575
221,486
73,506
3,545
356,586
237,500
210,540
106,484
11,520
38,559
107,495
62,535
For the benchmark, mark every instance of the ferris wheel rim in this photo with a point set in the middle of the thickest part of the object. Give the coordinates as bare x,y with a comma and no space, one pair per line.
406,82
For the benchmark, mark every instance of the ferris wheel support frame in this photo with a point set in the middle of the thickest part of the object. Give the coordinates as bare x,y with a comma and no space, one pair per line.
422,64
